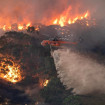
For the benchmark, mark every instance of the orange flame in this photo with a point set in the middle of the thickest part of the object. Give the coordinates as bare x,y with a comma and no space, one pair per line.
10,73
27,25
19,27
37,28
45,83
65,19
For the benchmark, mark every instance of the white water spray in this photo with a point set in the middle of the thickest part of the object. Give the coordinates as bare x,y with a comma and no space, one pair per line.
82,73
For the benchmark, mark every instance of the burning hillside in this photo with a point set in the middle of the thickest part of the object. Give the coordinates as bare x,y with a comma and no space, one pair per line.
55,21
56,12
62,20
65,18
10,71
19,17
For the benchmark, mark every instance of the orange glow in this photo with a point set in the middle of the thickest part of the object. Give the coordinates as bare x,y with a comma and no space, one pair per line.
69,21
55,21
9,72
46,83
86,15
4,27
9,27
65,18
37,28
27,25
43,82
62,21
20,27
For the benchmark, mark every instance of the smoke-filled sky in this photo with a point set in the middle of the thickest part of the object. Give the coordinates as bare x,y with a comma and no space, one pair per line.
43,10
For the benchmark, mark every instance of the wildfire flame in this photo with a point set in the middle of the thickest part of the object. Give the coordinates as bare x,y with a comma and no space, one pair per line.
43,82
64,18
9,72
46,83
19,27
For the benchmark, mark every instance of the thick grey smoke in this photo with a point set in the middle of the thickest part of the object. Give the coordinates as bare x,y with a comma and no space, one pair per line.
80,72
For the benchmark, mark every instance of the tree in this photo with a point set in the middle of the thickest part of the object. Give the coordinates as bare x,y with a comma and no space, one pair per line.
53,92
31,29
72,100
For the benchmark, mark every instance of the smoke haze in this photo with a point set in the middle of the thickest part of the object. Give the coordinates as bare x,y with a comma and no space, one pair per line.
14,11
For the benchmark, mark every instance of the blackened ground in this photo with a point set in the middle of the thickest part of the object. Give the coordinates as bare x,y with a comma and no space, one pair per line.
9,94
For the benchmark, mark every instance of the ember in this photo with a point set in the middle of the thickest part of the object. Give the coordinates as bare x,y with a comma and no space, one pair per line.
46,83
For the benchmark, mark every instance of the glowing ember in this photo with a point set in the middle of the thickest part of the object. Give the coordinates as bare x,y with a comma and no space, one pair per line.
9,72
46,83
37,29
